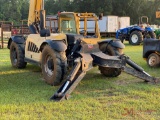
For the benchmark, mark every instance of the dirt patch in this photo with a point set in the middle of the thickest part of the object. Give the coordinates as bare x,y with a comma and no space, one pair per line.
126,82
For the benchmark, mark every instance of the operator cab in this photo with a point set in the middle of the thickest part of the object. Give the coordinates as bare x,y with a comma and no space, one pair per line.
85,24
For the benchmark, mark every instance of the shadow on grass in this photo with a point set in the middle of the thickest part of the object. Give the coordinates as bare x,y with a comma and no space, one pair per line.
126,43
29,67
23,85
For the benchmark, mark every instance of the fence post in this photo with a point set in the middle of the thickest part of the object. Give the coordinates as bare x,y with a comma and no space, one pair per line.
2,35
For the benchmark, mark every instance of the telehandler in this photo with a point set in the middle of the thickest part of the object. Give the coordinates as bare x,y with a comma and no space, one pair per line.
56,52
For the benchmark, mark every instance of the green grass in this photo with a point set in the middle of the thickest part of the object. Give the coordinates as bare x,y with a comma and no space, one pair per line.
24,95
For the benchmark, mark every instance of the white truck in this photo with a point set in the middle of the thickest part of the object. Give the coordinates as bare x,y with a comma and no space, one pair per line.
110,24
123,22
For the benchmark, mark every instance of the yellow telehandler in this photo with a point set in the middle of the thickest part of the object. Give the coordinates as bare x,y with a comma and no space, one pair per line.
73,47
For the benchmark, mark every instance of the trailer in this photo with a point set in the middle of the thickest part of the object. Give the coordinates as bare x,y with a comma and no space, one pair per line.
110,24
124,22
90,26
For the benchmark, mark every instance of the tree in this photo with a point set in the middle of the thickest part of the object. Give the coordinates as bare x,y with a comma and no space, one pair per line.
15,10
24,9
52,7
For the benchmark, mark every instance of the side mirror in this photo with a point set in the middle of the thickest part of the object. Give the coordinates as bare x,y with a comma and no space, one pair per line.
45,33
100,16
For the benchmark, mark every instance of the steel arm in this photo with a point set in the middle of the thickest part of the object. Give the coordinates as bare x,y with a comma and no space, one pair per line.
138,71
75,76
34,11
36,17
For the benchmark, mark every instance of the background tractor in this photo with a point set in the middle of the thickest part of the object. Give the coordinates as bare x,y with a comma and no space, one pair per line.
136,34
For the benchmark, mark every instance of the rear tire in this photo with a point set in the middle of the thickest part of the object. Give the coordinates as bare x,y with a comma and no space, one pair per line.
111,72
17,56
53,65
136,38
153,60
121,38
152,35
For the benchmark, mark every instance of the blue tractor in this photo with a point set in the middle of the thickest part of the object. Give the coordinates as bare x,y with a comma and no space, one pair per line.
136,34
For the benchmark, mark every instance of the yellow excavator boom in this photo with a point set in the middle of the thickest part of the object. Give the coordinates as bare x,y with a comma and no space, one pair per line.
34,11
36,17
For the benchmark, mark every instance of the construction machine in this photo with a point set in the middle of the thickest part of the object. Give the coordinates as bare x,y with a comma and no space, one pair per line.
76,51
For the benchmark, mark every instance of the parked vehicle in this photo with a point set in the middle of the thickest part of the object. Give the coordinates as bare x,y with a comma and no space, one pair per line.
124,22
151,52
108,25
73,45
135,34
151,49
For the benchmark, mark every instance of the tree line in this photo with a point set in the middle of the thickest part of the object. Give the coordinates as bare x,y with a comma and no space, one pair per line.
16,10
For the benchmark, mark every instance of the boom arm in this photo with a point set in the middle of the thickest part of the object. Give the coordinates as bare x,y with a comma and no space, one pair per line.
36,17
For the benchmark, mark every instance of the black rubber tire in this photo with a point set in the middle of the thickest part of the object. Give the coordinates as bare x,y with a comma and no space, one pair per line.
153,60
121,38
17,56
136,38
54,65
152,34
111,72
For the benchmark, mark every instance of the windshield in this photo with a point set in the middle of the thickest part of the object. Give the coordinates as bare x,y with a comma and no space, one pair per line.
87,27
67,24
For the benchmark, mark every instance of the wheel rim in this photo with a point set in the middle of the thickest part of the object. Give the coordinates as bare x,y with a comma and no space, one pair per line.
152,60
49,66
134,38
14,56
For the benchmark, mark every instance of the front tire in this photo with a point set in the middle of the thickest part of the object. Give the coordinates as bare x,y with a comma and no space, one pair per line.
17,56
53,65
136,38
153,60
111,72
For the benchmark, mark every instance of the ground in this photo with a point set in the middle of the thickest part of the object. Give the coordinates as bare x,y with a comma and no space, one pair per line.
24,94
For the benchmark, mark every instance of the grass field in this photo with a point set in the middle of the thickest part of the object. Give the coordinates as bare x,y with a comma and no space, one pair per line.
24,95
